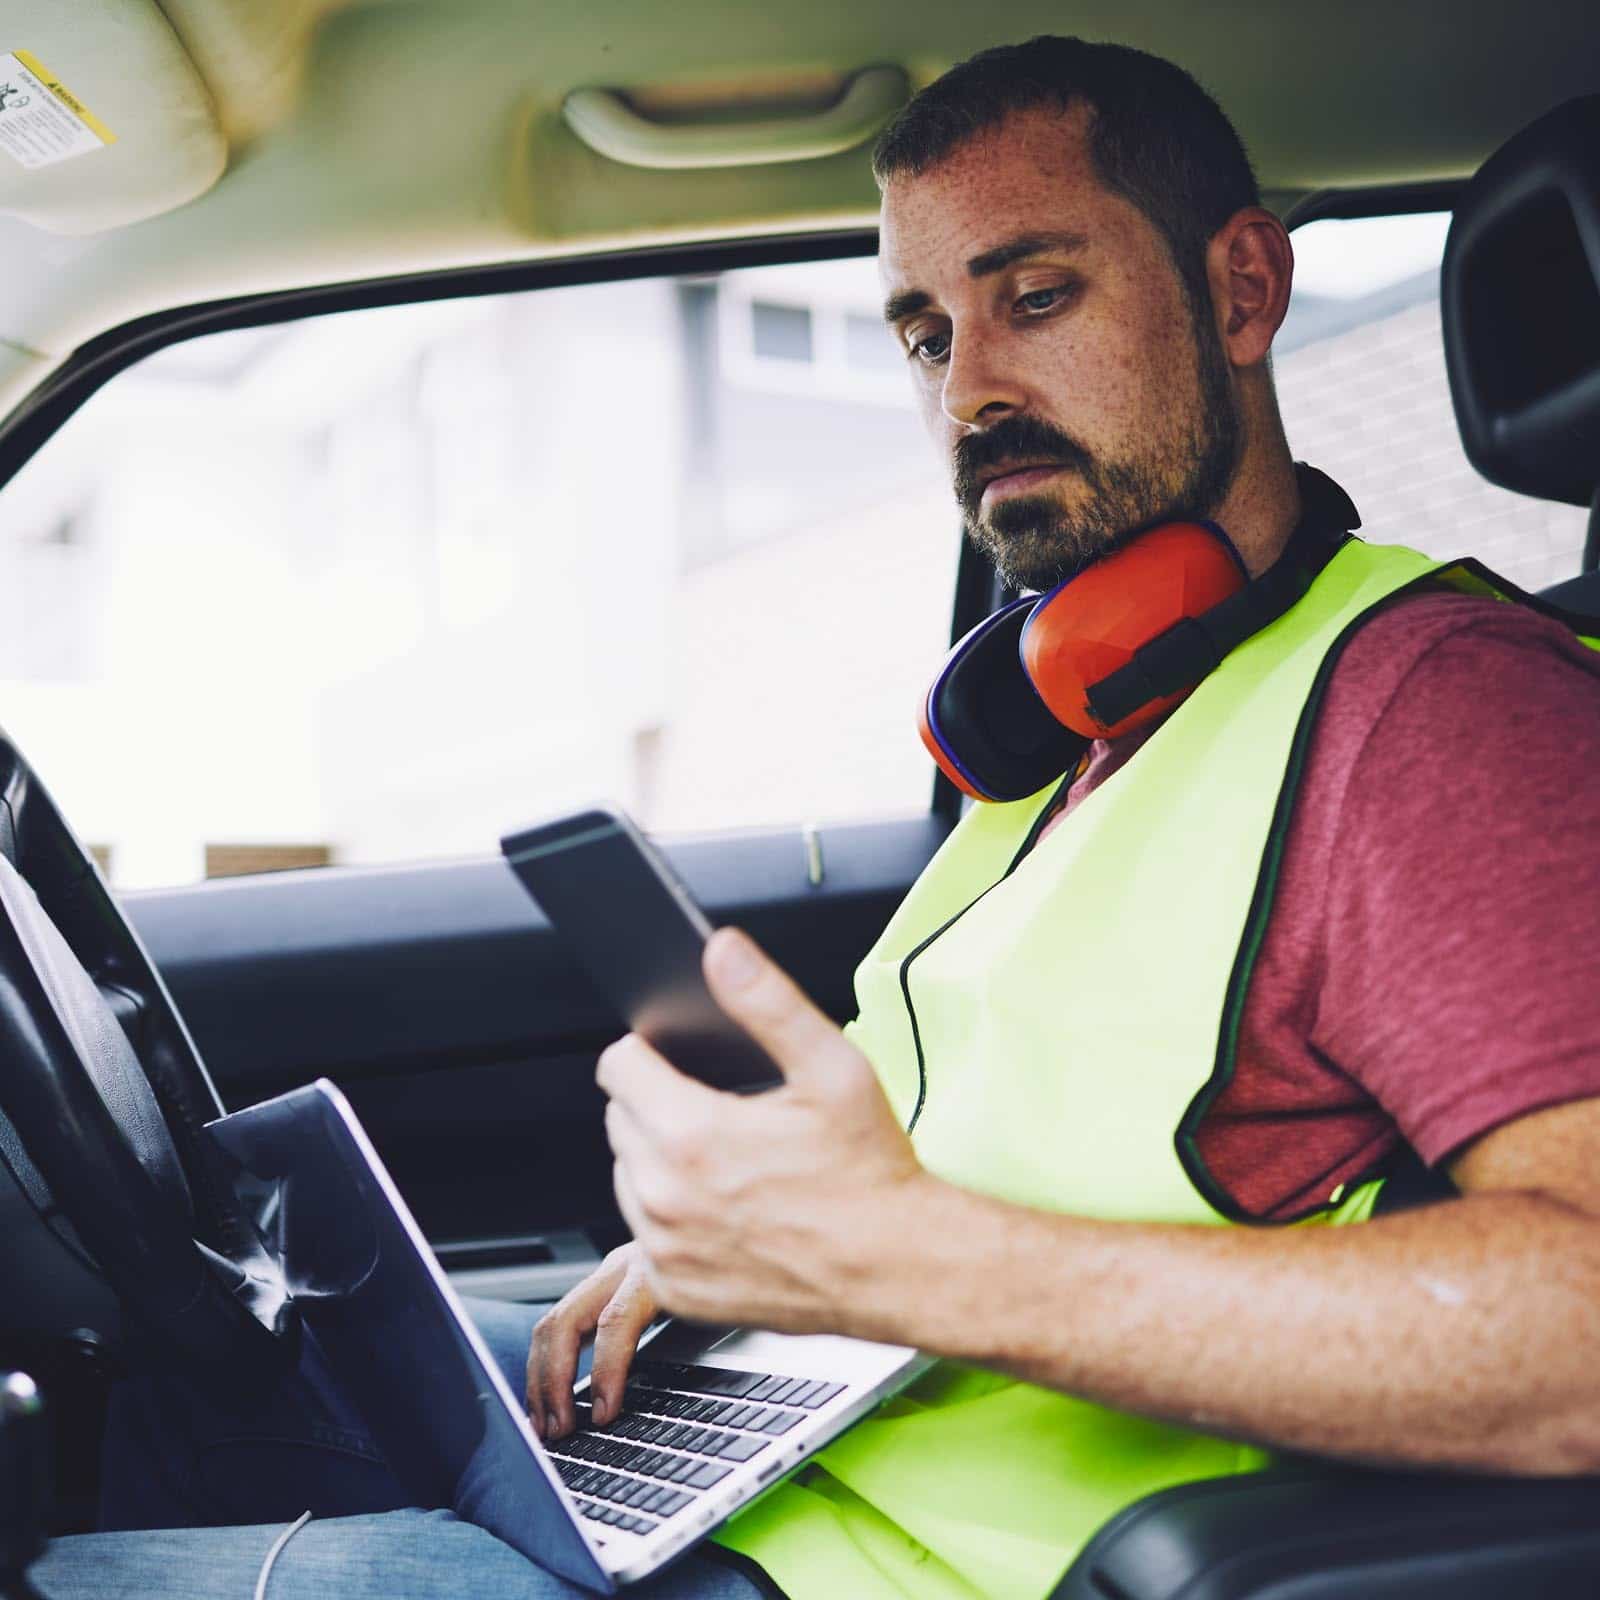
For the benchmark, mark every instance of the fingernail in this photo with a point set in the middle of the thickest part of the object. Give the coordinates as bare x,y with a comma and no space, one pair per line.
551,1425
737,961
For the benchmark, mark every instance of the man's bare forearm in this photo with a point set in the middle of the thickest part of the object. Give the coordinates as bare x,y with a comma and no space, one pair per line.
1466,1334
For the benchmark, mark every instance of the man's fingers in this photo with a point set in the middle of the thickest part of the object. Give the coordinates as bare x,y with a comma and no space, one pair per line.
767,1003
627,1139
553,1352
632,1072
624,1319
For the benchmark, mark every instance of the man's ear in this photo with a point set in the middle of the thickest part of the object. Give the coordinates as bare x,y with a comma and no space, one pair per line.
1250,267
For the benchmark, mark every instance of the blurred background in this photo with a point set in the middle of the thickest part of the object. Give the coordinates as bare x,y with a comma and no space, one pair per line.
377,586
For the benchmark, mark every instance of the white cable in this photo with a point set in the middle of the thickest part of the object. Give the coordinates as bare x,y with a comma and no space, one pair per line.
272,1555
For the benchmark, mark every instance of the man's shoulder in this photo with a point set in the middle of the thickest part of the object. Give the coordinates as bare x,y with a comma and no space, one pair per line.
1447,836
1439,680
1467,644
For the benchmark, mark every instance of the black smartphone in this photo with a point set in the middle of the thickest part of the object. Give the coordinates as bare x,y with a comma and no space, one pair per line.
637,934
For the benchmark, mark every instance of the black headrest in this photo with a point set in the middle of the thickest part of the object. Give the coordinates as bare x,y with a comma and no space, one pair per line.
1520,295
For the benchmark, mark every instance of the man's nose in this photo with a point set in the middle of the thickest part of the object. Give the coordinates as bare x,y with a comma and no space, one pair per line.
980,385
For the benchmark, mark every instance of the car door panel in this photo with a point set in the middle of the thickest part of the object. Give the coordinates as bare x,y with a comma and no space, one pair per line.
440,1000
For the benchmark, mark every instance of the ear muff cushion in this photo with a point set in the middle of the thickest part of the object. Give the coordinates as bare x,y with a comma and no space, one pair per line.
982,721
1088,627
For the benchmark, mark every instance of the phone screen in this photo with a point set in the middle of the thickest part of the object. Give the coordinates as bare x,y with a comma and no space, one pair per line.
636,933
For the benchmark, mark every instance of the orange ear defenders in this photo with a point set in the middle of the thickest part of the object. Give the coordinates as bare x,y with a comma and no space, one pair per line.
1115,647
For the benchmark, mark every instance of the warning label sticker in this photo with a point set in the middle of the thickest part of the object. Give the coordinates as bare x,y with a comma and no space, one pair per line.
41,120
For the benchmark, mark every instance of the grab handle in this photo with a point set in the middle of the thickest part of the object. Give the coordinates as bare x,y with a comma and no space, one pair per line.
605,122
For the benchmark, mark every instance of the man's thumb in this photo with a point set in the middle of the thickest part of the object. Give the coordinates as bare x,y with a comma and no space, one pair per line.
767,1003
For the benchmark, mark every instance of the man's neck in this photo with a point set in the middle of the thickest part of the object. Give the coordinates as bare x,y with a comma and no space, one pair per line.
1262,508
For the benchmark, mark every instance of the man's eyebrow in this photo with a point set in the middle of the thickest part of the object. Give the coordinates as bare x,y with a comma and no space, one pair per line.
1019,248
910,301
905,304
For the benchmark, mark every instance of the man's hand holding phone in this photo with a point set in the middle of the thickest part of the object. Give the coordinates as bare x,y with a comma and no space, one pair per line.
787,1210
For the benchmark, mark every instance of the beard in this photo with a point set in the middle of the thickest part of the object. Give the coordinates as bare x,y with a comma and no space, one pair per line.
1037,541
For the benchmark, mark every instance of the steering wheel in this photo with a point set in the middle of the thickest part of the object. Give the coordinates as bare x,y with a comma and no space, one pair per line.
103,1099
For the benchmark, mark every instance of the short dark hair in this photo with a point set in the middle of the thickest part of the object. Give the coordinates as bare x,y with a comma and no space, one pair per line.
1156,137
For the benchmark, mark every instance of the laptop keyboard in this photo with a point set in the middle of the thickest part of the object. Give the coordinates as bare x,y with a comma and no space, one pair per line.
683,1429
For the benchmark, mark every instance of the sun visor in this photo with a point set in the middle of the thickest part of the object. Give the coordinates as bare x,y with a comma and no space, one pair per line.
103,118
1520,296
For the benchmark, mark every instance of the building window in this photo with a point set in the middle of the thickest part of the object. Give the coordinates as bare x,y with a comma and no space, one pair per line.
812,329
780,333
867,348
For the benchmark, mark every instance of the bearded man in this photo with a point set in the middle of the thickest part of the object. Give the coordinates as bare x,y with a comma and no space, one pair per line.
1228,970
1106,1023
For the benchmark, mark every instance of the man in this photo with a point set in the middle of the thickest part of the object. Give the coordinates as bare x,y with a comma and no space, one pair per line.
1087,308
1086,290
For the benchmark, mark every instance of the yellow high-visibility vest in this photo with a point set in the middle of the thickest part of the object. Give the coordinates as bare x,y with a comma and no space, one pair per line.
1053,1025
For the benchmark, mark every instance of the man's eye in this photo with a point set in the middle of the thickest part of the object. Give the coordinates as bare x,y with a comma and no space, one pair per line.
933,348
1039,299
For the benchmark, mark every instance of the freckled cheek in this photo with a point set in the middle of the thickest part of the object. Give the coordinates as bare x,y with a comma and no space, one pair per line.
1096,398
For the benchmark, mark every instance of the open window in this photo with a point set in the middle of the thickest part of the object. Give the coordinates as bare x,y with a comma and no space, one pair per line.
370,585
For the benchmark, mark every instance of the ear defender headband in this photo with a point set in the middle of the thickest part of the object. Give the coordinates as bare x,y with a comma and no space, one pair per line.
1115,647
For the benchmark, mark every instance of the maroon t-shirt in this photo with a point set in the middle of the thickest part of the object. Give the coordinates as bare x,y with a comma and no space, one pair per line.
1430,965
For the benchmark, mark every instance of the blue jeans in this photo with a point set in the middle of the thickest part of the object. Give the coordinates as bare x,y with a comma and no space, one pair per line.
197,1493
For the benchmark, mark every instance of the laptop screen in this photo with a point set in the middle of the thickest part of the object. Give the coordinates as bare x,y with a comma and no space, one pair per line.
395,1336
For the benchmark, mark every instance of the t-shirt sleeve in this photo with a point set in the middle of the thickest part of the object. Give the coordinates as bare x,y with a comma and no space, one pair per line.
1462,921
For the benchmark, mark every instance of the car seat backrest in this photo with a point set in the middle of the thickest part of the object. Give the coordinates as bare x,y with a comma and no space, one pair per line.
1520,298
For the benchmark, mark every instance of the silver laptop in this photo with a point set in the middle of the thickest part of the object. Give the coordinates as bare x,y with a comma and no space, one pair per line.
712,1418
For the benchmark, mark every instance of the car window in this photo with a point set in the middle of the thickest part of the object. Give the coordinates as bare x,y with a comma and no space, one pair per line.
376,586
1359,363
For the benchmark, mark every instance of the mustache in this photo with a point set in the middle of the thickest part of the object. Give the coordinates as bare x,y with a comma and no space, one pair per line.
1018,438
